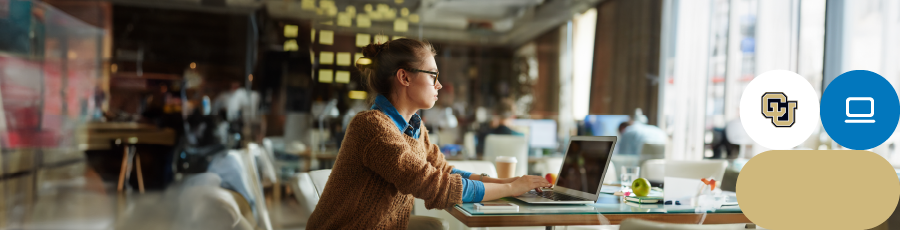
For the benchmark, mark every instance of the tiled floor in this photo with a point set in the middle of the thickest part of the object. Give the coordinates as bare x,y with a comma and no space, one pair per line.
63,206
74,205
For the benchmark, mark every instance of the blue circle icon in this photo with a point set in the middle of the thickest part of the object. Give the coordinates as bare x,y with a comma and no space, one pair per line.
860,110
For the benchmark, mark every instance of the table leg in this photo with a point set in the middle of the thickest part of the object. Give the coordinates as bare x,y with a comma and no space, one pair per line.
308,163
276,205
549,228
140,176
129,166
276,190
122,170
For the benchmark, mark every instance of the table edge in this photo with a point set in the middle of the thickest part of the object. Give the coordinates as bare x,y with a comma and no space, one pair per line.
589,219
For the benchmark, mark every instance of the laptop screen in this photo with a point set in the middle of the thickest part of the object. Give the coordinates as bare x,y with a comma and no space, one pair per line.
583,167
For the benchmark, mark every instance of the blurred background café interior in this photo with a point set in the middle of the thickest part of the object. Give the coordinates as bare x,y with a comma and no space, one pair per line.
168,114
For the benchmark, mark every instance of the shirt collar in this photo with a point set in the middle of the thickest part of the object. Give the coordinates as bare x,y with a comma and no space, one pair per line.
383,104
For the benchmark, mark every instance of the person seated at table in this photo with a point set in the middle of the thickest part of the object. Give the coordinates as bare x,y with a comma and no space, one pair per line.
501,121
387,158
637,133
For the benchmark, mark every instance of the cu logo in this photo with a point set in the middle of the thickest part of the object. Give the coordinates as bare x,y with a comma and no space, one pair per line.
775,105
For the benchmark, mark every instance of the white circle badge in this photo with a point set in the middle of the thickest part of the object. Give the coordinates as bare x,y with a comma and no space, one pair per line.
779,109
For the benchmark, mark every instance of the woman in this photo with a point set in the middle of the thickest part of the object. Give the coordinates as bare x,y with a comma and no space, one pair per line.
387,159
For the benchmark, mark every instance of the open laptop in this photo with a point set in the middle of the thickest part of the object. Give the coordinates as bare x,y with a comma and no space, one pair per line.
581,174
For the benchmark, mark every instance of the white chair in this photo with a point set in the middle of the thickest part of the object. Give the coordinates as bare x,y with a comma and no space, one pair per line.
308,189
696,169
269,143
657,169
476,167
254,186
265,162
507,145
654,170
305,193
652,151
736,134
319,178
549,165
638,224
611,175
198,203
469,144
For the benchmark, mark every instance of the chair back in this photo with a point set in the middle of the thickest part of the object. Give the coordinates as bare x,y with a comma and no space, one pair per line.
652,151
654,170
507,145
696,169
476,167
305,192
611,175
319,178
549,165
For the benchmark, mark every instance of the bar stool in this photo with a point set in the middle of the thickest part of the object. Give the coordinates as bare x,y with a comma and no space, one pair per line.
125,172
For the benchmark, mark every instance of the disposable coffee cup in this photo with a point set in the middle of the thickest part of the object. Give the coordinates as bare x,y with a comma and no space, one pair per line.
506,166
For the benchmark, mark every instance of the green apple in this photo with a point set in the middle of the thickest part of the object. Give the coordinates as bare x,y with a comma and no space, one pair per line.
640,187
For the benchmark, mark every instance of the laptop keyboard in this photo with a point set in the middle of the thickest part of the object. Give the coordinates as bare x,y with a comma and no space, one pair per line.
555,196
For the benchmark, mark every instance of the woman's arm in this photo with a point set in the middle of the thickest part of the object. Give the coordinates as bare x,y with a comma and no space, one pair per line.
401,165
491,179
493,188
496,191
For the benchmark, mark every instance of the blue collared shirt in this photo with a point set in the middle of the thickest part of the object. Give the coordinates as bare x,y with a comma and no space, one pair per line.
410,128
473,191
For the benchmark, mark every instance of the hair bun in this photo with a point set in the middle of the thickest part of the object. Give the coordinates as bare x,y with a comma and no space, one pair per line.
372,50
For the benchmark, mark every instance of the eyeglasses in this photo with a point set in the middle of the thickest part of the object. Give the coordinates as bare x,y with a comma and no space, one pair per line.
435,74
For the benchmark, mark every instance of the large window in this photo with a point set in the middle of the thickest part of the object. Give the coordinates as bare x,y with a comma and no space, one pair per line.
863,35
712,49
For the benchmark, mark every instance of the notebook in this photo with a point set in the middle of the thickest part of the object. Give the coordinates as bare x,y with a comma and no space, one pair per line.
645,199
645,206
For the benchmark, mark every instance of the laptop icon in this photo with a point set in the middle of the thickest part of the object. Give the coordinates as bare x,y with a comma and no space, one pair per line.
860,117
581,175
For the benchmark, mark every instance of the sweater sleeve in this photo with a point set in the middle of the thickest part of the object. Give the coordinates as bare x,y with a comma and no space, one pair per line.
396,162
435,157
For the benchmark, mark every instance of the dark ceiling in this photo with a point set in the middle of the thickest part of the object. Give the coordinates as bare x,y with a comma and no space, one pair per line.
171,39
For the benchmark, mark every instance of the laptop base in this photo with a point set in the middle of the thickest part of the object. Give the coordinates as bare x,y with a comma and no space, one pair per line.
535,199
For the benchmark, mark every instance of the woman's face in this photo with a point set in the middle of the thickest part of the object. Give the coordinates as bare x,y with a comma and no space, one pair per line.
423,89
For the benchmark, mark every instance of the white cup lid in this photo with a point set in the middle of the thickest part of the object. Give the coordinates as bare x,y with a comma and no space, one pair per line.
506,159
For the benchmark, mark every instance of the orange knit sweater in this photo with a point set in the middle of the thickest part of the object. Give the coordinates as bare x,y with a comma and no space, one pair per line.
378,172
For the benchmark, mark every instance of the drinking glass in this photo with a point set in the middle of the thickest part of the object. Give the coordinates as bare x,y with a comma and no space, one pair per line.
629,174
